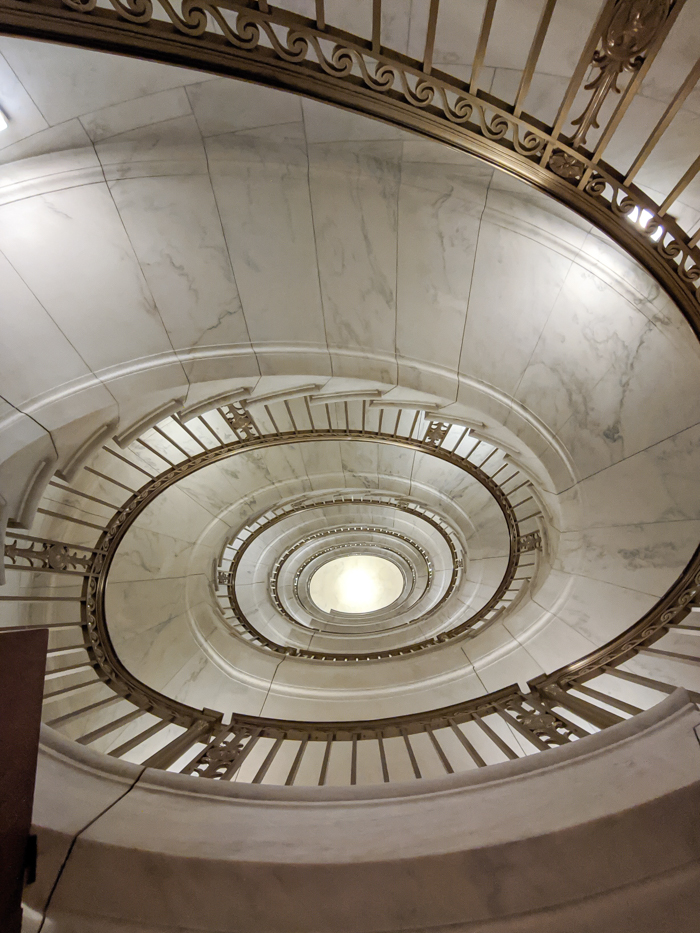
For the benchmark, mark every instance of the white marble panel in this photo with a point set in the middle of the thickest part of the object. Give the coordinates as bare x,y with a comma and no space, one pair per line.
225,105
142,111
596,609
396,462
23,444
635,404
354,197
512,274
175,514
134,606
439,216
201,684
23,116
323,458
486,570
515,667
360,464
88,279
648,558
156,655
590,331
665,670
75,418
416,149
144,386
327,124
555,644
29,334
654,485
514,204
173,147
83,81
58,157
175,230
214,489
263,197
273,466
146,554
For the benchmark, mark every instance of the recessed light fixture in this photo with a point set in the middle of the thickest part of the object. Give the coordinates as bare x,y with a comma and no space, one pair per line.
3,121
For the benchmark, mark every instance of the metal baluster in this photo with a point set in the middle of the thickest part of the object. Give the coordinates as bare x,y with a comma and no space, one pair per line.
526,733
543,705
353,761
155,452
440,751
269,758
211,430
170,753
471,751
60,671
326,758
293,771
128,462
411,755
382,758
169,439
674,655
665,121
67,717
69,518
595,715
643,681
237,761
480,53
64,690
110,479
430,36
605,698
496,739
110,727
139,739
77,492
376,26
533,56
320,15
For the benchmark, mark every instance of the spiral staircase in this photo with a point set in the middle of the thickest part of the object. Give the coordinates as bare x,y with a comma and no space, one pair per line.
350,389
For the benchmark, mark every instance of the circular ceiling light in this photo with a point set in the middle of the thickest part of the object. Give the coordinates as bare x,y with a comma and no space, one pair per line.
355,585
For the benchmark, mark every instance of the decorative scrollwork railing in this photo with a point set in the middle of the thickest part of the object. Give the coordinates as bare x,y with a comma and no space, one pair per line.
554,710
254,40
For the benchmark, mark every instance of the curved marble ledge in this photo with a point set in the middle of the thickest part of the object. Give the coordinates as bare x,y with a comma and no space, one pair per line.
516,846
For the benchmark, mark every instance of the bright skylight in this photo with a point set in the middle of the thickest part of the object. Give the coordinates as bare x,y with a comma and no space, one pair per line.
357,584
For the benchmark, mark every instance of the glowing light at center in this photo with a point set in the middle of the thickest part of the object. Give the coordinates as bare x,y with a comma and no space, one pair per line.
357,584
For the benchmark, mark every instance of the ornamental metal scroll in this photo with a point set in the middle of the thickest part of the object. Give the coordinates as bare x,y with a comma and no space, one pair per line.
255,41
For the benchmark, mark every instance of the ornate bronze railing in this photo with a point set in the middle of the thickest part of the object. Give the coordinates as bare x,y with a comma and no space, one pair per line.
554,710
257,41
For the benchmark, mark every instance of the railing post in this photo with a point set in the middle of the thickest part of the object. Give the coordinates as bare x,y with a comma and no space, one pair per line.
170,753
595,715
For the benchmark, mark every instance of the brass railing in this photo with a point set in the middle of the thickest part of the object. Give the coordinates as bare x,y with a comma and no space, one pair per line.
554,710
257,41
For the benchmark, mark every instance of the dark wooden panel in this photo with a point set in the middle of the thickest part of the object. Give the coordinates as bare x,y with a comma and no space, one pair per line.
22,666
